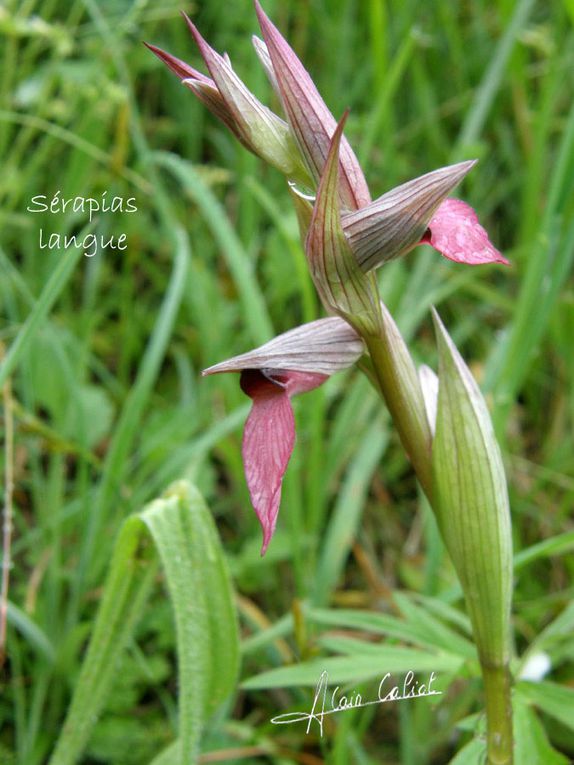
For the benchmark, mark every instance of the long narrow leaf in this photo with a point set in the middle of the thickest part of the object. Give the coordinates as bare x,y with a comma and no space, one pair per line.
206,625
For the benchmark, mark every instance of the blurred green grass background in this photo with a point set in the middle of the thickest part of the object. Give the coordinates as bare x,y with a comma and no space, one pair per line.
105,352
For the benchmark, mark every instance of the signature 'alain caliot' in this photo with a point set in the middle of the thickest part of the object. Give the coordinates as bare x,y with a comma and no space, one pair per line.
410,688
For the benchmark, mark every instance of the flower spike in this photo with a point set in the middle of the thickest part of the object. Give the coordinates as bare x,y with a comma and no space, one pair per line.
295,362
311,121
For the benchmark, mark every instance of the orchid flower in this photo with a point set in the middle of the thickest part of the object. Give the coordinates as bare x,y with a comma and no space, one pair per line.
294,362
414,213
226,96
345,234
417,212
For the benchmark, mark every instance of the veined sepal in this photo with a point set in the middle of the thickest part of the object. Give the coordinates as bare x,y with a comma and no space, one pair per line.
397,221
311,121
324,346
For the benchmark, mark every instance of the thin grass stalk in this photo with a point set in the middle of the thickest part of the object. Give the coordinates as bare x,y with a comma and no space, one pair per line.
7,515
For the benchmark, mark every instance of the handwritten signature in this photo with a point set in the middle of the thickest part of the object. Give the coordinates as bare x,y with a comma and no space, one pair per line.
410,689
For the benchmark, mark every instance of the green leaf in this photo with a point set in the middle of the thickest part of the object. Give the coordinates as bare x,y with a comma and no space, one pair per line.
198,583
531,746
346,516
409,630
556,700
557,631
54,287
437,634
237,258
200,590
558,545
371,662
36,637
474,753
470,499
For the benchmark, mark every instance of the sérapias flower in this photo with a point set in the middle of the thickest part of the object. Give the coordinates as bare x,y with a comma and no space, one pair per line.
311,121
258,128
415,212
294,362
418,212
377,231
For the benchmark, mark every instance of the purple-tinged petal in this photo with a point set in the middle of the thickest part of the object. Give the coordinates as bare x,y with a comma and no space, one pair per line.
455,232
343,288
324,346
396,222
203,87
310,119
256,126
184,71
268,441
269,437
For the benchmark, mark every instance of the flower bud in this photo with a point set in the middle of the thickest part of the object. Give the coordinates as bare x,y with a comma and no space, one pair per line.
256,126
311,121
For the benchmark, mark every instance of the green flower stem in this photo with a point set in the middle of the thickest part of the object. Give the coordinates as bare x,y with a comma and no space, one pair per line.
498,714
398,381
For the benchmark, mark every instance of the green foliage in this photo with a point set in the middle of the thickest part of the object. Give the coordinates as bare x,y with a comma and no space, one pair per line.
207,640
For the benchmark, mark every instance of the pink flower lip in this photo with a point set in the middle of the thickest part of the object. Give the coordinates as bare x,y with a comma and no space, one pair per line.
269,437
455,232
295,362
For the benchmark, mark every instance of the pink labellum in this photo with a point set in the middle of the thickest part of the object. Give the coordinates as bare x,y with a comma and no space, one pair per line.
455,232
269,437
311,121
